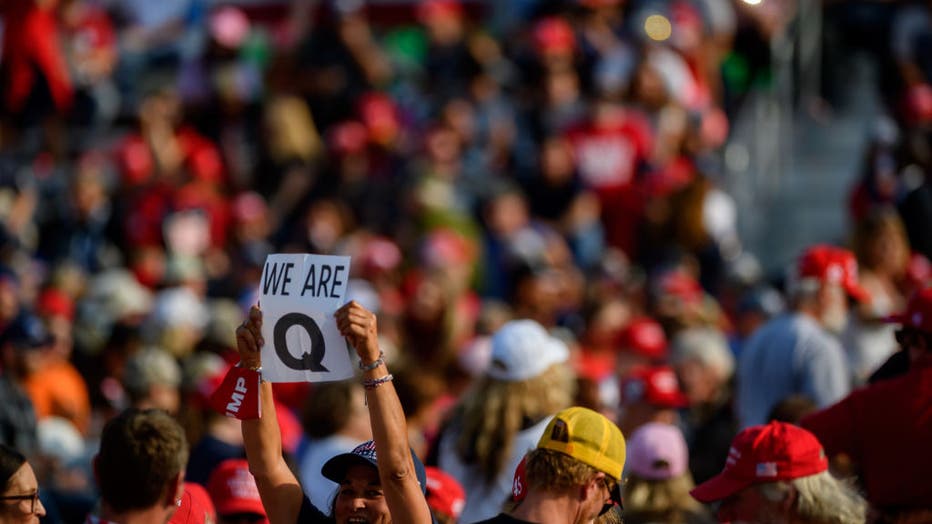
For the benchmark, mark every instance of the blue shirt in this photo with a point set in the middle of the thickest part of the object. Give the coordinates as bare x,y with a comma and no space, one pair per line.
791,354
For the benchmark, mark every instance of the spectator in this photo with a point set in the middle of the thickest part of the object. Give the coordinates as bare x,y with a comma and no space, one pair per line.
861,424
574,473
883,254
658,483
140,467
233,490
779,473
650,394
445,496
705,367
20,495
195,507
152,379
494,425
20,343
392,489
798,352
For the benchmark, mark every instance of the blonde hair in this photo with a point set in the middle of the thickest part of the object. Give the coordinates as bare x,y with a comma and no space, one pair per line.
821,498
293,134
660,496
495,410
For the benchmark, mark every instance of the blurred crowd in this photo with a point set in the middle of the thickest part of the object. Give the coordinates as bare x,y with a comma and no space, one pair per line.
557,161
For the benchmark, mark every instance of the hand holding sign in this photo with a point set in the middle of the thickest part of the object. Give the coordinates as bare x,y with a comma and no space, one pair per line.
360,328
249,339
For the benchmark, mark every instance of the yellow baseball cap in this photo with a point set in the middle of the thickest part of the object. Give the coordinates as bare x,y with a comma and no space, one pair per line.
588,437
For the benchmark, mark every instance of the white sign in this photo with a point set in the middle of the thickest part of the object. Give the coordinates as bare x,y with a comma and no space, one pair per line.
299,295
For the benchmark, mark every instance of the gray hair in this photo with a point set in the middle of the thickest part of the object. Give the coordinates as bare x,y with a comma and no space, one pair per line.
821,498
707,346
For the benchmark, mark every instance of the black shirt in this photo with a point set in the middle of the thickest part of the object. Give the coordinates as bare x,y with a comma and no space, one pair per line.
503,518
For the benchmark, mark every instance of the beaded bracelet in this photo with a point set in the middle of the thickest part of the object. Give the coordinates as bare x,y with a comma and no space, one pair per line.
378,362
373,383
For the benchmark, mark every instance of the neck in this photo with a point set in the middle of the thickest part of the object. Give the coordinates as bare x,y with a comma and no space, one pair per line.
156,514
548,508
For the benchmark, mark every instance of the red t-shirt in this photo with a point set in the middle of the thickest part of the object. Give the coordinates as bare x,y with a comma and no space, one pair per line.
886,429
608,157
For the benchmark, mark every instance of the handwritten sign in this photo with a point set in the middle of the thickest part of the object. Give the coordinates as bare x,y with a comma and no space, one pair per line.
299,295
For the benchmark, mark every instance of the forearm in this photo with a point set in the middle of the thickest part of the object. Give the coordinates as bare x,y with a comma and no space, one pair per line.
396,466
279,489
262,437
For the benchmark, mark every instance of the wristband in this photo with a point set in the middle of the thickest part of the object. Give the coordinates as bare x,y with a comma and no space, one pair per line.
376,382
378,362
257,369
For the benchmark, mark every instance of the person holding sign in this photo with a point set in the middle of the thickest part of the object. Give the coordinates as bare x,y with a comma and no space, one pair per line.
379,481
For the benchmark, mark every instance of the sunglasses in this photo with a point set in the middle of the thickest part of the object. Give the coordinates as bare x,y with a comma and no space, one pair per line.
613,490
33,499
911,337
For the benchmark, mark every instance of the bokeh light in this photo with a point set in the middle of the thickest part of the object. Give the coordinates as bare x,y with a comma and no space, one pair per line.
658,27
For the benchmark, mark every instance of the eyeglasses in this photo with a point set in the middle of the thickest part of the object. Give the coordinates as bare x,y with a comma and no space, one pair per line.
33,499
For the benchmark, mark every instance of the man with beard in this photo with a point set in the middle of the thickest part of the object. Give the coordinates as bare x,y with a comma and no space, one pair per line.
798,353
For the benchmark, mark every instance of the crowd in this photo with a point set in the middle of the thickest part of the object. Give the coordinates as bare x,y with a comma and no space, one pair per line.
532,196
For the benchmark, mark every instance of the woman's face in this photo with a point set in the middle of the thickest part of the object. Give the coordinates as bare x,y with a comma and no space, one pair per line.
25,507
360,499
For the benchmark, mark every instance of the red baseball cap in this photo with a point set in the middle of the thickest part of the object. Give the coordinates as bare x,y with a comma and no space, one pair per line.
196,506
918,314
233,489
444,494
833,265
554,35
766,453
519,485
655,385
645,337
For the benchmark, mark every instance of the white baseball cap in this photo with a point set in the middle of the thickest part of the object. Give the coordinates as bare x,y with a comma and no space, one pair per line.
522,349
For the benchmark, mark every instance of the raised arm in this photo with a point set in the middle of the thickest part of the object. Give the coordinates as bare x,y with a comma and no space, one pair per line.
402,491
279,489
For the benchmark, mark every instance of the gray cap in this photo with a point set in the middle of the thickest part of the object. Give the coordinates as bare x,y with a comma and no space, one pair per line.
149,367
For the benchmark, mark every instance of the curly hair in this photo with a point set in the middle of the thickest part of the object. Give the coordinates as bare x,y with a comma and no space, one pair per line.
141,451
496,410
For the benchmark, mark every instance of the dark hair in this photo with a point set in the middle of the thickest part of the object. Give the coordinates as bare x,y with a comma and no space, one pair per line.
141,451
328,408
10,462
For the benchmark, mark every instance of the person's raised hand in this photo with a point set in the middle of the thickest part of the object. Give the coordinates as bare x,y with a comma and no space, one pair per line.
249,340
360,327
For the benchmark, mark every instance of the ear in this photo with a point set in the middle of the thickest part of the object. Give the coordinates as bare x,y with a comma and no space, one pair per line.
788,504
174,490
592,488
